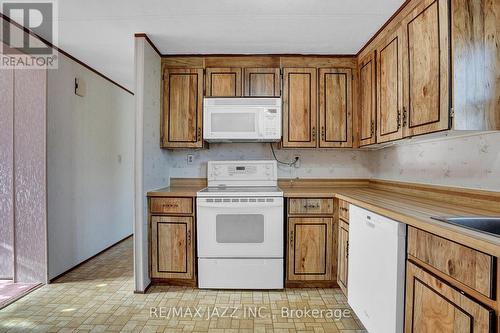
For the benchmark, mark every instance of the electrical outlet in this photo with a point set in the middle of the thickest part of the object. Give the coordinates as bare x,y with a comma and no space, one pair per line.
190,158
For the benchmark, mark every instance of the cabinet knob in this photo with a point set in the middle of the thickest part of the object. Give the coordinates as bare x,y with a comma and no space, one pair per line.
314,133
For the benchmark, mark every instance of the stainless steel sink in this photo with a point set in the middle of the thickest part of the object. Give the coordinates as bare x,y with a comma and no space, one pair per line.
485,224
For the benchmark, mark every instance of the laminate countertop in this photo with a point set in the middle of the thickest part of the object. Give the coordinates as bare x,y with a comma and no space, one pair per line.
410,209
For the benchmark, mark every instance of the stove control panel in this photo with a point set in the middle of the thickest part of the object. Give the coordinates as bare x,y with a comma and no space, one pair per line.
242,173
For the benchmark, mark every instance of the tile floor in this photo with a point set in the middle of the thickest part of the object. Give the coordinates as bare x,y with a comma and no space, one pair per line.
98,297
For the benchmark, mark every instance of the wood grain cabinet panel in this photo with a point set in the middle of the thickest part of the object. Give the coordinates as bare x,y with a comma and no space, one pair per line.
344,210
310,248
434,306
223,82
298,206
427,68
172,247
389,88
171,205
182,108
299,107
335,107
367,114
343,256
260,82
468,266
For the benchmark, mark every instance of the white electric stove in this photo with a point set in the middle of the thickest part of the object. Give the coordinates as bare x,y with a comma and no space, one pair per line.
240,227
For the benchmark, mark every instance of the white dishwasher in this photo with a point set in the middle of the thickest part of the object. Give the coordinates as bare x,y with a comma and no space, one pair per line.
376,270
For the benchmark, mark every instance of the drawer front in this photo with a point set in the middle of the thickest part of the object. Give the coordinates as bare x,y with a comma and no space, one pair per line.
344,210
172,205
310,206
466,265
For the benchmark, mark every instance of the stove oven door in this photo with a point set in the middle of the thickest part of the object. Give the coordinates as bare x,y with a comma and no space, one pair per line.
240,227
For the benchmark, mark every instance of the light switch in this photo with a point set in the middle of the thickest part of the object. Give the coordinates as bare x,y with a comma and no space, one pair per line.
80,87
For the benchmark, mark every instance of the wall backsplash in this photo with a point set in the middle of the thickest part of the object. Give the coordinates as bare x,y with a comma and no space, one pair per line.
472,161
313,163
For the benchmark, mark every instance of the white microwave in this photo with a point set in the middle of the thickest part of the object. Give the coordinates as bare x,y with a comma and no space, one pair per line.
242,119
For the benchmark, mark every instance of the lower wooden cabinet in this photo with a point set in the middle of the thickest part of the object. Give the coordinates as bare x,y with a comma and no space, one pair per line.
172,247
310,248
343,257
434,306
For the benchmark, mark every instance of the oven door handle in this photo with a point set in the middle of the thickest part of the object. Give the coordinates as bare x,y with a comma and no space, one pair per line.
230,205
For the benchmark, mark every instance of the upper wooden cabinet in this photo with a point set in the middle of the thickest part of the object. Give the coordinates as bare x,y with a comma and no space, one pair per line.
223,82
260,82
390,88
335,108
426,68
367,114
299,107
181,117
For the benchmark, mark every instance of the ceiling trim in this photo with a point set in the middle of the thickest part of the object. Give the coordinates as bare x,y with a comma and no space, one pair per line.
284,55
49,44
393,16
145,36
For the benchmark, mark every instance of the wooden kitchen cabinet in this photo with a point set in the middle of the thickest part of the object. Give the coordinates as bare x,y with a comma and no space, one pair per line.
172,240
367,114
432,305
343,256
172,247
426,68
223,82
390,88
310,248
262,82
181,116
299,108
335,108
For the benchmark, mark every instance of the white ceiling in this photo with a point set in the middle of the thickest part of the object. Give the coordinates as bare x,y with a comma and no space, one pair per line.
100,32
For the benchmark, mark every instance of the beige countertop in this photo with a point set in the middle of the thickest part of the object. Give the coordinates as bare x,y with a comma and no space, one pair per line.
410,209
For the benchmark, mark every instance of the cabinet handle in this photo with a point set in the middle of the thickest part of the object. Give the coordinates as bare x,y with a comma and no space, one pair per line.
405,117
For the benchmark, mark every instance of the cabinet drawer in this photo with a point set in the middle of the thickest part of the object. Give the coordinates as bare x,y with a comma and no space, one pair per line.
465,265
344,210
310,206
172,205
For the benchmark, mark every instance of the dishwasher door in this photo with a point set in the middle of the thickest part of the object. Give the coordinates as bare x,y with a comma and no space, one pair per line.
376,270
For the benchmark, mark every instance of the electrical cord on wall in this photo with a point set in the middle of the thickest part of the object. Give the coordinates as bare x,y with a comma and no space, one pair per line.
290,164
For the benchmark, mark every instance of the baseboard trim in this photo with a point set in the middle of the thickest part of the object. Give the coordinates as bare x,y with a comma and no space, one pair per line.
90,258
145,290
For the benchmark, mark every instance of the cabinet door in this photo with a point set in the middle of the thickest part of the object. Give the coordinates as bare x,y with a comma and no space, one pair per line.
426,69
343,256
223,82
434,306
367,100
299,107
335,108
389,88
172,247
262,82
182,108
310,248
